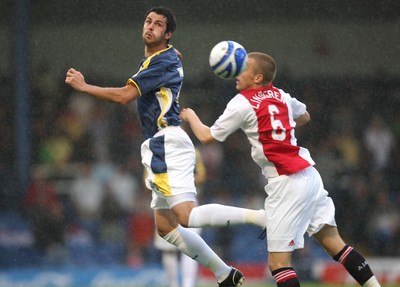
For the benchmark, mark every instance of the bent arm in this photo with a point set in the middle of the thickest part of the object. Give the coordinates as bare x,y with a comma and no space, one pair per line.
200,130
120,95
303,119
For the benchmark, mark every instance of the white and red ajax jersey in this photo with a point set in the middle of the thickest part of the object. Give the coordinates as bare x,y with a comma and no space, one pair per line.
266,115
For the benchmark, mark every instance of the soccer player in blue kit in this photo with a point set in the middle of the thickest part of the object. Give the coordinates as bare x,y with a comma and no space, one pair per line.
167,152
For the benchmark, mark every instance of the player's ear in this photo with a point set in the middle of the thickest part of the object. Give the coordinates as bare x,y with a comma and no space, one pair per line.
259,78
168,35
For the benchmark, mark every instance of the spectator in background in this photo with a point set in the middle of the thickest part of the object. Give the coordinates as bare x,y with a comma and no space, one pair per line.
100,130
140,231
384,216
118,203
349,147
87,194
103,168
46,213
385,222
379,141
112,215
56,150
124,186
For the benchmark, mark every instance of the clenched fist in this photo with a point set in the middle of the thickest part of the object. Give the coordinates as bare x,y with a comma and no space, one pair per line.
75,79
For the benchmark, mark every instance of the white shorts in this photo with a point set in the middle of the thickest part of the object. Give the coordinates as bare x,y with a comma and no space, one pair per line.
169,158
296,204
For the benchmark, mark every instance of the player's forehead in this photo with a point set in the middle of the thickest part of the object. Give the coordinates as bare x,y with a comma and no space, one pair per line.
251,64
154,17
250,60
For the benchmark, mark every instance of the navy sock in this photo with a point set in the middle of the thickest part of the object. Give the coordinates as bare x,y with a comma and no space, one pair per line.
355,264
286,277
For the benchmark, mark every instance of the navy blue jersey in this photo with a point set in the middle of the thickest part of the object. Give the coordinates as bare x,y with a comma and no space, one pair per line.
159,81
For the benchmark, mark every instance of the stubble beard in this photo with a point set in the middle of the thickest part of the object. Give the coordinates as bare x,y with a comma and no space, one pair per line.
152,42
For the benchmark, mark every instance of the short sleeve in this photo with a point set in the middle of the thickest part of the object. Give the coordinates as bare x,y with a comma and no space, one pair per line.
231,119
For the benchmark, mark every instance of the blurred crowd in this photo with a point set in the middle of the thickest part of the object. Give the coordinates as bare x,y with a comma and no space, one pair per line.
86,193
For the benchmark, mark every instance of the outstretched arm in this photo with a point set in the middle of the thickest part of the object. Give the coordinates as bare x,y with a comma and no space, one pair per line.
122,95
200,130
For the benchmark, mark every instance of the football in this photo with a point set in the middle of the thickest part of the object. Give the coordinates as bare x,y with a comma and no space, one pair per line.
228,59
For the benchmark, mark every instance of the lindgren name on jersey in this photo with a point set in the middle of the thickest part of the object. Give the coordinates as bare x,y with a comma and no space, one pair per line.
265,94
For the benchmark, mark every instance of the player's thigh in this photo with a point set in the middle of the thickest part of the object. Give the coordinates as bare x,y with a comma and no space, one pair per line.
289,209
165,221
328,237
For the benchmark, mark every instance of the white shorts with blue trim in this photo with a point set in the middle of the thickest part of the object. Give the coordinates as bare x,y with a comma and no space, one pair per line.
169,158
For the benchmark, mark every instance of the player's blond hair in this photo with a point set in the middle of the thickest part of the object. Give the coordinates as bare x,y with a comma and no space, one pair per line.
265,65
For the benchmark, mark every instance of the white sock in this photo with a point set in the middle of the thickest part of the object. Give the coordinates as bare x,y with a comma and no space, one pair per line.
372,282
170,263
222,215
195,247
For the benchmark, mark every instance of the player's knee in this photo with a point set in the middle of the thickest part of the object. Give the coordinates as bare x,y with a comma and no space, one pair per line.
165,229
182,213
184,221
162,233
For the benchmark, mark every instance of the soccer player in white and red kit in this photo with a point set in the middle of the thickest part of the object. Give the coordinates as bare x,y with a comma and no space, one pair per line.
297,201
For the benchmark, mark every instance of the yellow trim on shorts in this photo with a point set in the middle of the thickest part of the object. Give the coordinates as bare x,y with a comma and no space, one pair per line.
161,180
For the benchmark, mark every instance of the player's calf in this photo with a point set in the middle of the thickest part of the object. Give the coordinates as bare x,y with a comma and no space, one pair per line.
357,266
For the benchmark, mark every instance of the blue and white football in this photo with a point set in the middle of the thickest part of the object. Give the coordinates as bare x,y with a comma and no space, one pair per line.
228,59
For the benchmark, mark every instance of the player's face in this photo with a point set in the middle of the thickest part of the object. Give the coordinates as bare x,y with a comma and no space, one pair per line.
154,29
246,80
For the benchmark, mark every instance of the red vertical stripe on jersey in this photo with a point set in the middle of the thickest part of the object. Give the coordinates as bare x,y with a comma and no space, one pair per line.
275,131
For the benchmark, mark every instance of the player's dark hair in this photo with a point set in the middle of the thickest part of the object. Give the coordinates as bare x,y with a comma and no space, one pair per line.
168,14
265,65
